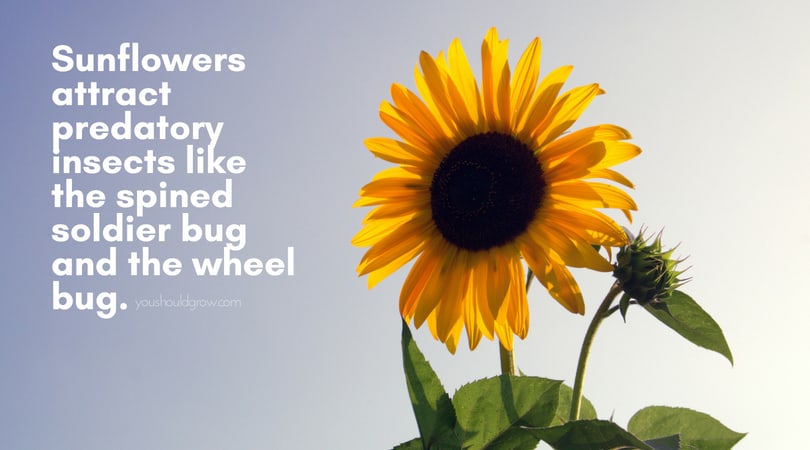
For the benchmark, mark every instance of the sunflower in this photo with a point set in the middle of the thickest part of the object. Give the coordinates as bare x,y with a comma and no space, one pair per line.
487,177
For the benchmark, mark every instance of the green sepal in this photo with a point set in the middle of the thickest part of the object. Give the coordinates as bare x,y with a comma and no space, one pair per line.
697,430
688,319
589,435
493,412
624,303
435,415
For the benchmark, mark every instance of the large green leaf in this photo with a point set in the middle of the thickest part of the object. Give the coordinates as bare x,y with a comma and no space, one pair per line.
563,414
698,431
589,435
492,412
689,320
416,444
665,443
413,444
434,411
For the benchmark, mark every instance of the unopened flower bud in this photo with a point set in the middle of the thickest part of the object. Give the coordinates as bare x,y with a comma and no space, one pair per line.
645,272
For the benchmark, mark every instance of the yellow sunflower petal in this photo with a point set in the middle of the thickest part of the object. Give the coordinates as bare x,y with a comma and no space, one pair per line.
465,120
451,342
393,172
609,174
409,130
435,288
574,252
544,97
580,138
588,221
617,153
566,290
596,195
524,82
495,81
576,164
564,113
435,82
479,284
393,184
396,152
557,280
473,322
504,332
416,282
392,188
497,280
404,208
373,231
450,310
517,313
411,105
387,254
462,73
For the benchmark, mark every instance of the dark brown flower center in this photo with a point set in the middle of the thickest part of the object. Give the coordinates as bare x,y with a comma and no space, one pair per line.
486,191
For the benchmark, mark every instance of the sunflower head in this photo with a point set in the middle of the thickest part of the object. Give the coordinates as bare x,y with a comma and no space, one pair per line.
646,272
487,178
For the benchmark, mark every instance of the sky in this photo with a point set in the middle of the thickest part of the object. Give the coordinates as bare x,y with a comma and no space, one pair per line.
714,93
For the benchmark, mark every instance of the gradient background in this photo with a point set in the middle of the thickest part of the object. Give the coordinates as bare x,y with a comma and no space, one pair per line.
716,93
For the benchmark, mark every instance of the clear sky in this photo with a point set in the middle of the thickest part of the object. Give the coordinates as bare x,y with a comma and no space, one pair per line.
715,93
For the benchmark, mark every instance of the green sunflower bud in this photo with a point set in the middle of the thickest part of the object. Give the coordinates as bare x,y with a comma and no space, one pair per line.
646,272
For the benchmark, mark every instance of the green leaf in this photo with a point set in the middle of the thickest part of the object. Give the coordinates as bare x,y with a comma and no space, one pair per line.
689,320
413,444
698,431
435,415
492,412
416,444
665,443
589,435
586,410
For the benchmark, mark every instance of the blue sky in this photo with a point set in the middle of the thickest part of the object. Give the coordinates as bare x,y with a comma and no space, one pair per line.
715,94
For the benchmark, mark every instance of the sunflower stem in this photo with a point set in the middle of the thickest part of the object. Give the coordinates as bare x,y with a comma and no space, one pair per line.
507,361
529,278
598,317
507,356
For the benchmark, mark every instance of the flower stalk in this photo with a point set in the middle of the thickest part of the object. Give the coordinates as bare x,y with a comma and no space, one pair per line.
507,361
508,356
600,315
